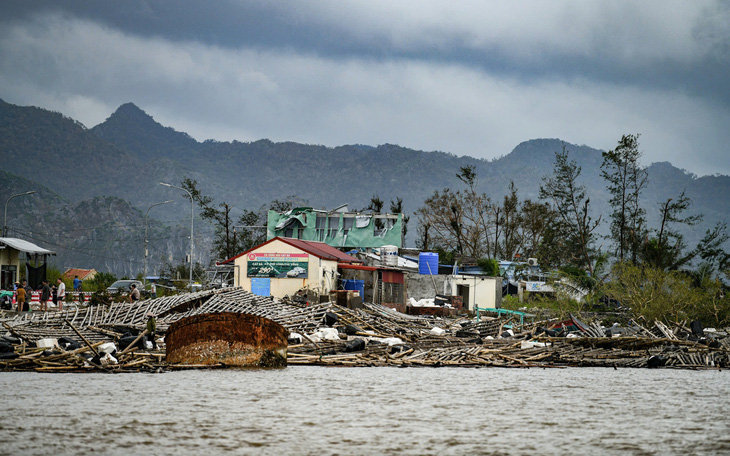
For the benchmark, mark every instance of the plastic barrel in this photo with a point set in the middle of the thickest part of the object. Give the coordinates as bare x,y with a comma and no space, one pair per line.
428,263
352,284
389,255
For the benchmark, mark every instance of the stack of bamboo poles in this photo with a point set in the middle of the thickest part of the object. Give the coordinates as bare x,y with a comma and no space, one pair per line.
420,344
508,352
58,360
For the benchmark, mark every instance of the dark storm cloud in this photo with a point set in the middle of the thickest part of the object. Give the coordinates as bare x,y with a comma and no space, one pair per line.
304,28
471,78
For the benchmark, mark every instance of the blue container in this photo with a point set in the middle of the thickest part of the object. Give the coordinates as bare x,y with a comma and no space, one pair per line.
359,285
428,263
261,286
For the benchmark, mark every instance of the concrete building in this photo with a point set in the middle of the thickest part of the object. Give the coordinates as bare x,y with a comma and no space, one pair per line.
283,266
475,290
10,262
337,228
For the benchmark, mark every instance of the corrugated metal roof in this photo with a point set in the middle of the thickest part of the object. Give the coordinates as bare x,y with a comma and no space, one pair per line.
318,249
321,250
25,246
82,273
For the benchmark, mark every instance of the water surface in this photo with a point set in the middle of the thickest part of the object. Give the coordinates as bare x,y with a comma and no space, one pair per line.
304,410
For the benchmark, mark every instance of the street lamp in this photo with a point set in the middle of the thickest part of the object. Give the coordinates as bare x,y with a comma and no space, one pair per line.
191,228
144,278
5,220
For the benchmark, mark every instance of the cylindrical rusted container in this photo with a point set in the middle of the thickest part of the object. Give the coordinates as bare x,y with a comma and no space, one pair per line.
234,339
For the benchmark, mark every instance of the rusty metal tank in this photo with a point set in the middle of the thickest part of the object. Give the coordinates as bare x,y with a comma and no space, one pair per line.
233,339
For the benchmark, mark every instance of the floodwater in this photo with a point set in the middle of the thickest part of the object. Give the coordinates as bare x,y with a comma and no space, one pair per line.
304,410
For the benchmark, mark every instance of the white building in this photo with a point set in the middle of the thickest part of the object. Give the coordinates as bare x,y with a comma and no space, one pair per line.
283,266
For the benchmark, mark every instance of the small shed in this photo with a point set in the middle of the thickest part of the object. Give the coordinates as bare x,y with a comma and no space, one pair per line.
283,266
10,250
475,290
381,285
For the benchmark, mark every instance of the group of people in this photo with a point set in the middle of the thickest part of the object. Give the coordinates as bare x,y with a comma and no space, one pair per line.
56,294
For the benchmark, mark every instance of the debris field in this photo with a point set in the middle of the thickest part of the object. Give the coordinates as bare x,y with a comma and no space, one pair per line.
113,338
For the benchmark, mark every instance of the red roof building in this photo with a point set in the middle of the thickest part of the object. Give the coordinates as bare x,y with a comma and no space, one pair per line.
283,266
84,274
318,249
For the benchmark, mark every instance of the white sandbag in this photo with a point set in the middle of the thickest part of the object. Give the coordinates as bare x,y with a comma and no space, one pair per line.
47,343
107,360
391,341
437,331
108,347
532,344
329,334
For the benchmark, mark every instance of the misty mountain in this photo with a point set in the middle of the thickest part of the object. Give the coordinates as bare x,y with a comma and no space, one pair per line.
97,183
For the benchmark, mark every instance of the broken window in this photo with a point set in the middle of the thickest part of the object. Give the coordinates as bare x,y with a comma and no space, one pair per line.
334,225
320,229
347,224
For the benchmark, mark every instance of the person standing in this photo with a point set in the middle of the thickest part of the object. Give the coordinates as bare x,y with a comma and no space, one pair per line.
77,284
20,299
152,329
45,295
61,293
153,290
28,295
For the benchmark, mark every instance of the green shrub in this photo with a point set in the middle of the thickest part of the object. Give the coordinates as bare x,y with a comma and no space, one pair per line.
489,266
655,294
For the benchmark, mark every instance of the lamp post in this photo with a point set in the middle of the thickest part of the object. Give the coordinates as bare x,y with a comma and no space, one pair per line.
5,220
144,278
191,228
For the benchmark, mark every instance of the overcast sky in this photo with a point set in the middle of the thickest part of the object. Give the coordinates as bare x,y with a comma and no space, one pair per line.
470,77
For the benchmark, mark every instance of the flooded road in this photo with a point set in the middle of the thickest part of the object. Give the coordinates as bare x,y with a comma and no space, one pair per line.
361,411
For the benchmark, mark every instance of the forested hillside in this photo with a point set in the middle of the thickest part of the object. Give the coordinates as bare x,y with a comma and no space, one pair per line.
83,175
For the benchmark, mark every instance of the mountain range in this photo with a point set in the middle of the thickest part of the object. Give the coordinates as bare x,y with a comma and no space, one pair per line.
95,185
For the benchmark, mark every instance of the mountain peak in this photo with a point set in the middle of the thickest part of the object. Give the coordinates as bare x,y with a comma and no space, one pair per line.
129,108
130,112
132,129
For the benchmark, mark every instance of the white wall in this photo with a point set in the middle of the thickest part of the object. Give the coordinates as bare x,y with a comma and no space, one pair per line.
321,274
483,291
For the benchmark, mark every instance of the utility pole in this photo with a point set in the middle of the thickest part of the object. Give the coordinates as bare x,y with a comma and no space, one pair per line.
192,205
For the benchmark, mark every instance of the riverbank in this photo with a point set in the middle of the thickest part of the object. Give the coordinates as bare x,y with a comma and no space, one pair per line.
112,339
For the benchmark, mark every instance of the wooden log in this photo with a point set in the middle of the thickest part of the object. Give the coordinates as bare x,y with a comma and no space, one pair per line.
131,346
88,344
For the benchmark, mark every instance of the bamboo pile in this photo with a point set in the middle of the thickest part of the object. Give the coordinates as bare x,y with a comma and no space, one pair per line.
372,336
556,352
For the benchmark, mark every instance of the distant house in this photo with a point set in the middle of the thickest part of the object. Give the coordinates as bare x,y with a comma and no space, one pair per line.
283,266
83,274
10,262
337,228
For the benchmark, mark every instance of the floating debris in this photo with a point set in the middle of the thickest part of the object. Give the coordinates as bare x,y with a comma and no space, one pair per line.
327,334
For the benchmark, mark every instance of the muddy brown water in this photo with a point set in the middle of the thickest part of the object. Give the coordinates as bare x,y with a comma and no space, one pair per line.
304,410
